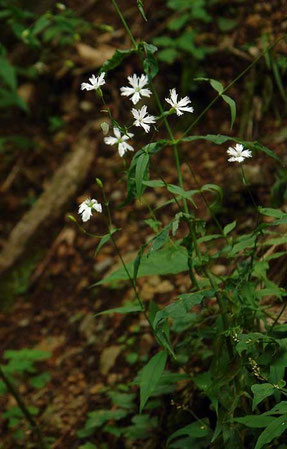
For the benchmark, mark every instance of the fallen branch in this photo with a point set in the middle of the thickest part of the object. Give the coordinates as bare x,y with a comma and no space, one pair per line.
52,203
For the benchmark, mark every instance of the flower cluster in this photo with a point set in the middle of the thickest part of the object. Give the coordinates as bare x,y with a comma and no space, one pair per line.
135,92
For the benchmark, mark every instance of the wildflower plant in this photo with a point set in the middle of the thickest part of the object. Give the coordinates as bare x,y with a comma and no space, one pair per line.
237,344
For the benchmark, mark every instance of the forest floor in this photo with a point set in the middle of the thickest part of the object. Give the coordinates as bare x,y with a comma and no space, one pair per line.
55,307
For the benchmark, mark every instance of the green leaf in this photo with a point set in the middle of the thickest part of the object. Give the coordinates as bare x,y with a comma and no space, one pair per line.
171,259
150,376
27,354
245,242
216,85
182,306
168,55
276,213
116,59
214,189
255,421
141,170
150,64
154,183
177,190
8,73
196,430
105,239
280,409
228,228
141,428
178,22
128,308
151,148
273,430
225,24
163,41
137,261
98,418
123,400
141,9
11,98
40,380
88,446
261,391
160,239
232,106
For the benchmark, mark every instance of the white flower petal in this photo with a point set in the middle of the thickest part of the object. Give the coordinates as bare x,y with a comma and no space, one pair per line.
145,92
110,140
142,81
173,96
86,86
126,91
129,147
136,98
133,80
117,133
86,215
145,127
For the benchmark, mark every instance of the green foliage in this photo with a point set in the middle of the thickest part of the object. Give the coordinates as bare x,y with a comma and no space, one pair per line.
20,369
51,29
150,376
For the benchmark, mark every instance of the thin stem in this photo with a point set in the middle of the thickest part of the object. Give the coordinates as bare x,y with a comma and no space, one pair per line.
192,125
29,418
278,317
125,24
110,227
175,150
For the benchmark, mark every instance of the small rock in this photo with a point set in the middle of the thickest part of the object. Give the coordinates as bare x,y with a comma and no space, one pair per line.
108,358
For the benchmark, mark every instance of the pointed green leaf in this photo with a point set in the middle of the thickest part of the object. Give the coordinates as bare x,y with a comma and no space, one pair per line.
128,308
150,64
141,9
105,239
7,73
232,106
141,170
276,213
228,228
216,85
116,59
255,421
196,430
273,430
261,391
138,261
160,239
170,259
150,376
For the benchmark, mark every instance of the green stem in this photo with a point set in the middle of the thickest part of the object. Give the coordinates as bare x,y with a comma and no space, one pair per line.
175,150
29,418
132,282
125,24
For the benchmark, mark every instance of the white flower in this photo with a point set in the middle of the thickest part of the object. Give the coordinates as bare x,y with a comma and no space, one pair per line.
96,83
238,154
137,90
86,208
120,140
142,118
181,105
